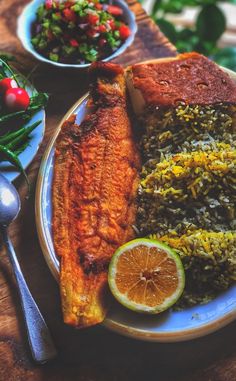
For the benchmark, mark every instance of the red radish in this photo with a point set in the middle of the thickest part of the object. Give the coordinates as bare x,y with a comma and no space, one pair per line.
124,32
16,99
114,10
7,83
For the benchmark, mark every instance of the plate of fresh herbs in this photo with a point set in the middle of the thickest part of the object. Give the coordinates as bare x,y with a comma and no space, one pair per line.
22,121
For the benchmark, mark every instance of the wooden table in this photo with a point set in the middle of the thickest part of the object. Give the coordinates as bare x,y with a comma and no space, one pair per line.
95,354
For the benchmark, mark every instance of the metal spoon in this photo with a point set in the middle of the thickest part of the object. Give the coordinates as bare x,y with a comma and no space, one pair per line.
40,340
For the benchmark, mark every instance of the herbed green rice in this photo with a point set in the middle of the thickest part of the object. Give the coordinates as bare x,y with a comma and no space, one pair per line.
187,195
188,128
196,189
209,259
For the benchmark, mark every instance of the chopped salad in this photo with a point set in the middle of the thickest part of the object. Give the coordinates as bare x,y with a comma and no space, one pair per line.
79,31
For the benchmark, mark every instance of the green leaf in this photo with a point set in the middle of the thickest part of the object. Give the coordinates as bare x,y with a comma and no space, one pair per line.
7,57
226,57
206,47
173,6
184,46
185,34
38,100
157,5
168,29
211,23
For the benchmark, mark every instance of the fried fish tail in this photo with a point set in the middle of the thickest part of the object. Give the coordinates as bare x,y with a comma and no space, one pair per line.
94,196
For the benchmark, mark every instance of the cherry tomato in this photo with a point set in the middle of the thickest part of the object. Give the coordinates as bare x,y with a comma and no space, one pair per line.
7,83
102,28
16,99
124,32
73,42
69,15
93,19
114,10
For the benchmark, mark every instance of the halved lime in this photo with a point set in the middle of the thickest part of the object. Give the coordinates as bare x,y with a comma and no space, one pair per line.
146,276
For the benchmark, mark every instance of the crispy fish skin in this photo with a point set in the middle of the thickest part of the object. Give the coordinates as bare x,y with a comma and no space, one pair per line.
94,196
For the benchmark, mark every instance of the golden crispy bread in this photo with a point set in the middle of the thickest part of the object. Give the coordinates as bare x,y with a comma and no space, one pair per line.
94,190
190,78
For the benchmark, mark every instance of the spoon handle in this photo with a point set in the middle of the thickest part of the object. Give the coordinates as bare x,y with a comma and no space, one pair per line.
40,340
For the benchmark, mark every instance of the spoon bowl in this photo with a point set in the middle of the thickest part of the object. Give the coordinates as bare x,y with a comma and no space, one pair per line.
9,202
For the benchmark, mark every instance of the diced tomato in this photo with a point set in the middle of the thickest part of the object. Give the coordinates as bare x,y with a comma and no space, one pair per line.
112,24
69,15
102,28
48,4
91,33
98,6
68,4
124,32
114,10
102,42
74,43
93,19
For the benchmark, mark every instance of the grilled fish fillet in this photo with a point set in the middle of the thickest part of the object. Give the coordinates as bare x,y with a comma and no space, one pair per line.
94,191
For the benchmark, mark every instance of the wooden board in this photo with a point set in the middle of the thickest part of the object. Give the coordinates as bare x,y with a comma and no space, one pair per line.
95,354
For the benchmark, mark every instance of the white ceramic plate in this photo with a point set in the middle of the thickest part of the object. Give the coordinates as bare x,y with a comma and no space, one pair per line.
169,326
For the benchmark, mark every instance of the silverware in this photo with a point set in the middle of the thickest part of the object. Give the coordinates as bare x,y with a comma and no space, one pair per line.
40,340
